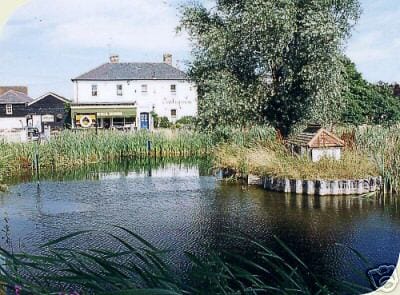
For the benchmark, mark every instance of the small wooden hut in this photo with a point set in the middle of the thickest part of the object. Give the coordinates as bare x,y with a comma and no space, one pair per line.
317,142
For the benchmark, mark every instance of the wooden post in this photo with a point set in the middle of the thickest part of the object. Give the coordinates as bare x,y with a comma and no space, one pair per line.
149,148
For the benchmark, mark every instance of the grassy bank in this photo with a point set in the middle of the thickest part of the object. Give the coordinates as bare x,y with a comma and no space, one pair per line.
369,151
275,160
70,150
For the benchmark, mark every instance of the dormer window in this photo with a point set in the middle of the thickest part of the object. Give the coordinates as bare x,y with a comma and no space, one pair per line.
144,88
94,90
9,109
119,90
173,88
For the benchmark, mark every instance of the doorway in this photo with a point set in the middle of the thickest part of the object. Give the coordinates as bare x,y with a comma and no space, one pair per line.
144,121
106,123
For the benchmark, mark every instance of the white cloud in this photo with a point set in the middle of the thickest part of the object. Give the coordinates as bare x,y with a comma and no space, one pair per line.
126,24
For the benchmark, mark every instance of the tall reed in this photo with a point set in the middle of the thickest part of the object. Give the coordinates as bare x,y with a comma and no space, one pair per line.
138,267
71,149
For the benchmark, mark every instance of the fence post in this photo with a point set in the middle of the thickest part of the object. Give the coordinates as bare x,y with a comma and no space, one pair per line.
149,148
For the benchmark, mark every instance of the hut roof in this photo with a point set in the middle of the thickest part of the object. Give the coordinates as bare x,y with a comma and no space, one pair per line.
316,137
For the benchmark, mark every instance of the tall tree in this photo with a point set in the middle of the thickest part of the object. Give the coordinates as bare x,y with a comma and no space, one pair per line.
367,103
269,60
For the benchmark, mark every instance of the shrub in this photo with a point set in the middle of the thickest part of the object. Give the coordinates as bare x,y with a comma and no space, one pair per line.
164,123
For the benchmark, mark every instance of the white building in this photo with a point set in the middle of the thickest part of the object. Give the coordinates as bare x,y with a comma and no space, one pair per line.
119,94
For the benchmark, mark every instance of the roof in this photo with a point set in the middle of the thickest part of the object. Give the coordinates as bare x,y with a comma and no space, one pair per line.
4,89
133,71
316,137
59,97
14,97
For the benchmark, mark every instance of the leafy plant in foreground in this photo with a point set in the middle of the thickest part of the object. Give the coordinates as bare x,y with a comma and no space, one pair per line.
138,267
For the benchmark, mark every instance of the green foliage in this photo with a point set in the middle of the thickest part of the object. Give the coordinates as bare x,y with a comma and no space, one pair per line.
187,120
156,119
164,123
367,103
268,60
71,149
138,267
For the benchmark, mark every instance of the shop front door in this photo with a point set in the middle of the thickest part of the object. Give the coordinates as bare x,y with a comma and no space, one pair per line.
144,121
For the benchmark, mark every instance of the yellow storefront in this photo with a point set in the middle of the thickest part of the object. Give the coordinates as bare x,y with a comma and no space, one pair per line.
114,116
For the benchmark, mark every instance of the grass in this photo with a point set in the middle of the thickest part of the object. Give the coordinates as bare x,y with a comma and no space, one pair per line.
138,267
273,159
70,149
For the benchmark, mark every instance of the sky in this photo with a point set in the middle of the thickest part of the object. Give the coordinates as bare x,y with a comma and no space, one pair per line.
46,43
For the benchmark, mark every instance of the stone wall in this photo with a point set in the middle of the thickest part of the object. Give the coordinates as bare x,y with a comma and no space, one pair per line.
318,187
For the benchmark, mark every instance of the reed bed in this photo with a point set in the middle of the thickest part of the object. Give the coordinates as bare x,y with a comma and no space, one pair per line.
274,159
138,267
71,149
383,147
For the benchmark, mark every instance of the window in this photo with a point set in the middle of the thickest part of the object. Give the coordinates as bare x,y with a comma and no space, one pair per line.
130,120
173,113
9,109
173,88
94,90
119,90
144,88
118,121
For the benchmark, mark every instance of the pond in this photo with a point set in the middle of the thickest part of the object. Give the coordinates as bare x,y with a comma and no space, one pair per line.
181,206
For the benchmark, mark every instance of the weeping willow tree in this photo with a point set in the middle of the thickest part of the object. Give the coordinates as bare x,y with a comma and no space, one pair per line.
275,61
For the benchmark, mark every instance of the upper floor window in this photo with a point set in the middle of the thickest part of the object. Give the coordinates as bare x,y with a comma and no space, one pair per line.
9,109
173,88
119,90
144,88
173,113
94,90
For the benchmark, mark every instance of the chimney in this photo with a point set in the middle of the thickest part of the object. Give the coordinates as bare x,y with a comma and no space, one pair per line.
114,59
168,59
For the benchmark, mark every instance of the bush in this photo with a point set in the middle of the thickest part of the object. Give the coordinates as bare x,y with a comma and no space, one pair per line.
164,123
187,120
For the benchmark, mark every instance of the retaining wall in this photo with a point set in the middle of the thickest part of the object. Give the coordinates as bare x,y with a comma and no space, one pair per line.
318,187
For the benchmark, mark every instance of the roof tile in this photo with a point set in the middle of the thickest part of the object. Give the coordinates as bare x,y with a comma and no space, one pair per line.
12,96
133,71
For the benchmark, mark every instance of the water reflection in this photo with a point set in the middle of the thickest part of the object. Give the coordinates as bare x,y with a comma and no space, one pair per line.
179,206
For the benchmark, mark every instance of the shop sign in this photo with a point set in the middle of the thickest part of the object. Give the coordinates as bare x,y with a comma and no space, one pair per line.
48,118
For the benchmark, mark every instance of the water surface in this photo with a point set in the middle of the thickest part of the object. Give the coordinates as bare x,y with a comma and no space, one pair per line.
180,206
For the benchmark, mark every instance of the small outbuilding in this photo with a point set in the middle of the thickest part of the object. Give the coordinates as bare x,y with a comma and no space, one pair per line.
317,142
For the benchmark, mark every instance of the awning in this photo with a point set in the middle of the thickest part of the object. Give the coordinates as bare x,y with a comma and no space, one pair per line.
105,112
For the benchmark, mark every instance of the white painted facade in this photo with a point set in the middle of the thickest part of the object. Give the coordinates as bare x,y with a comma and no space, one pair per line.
318,153
12,123
149,95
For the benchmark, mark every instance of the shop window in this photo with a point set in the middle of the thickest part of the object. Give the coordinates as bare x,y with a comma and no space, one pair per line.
94,90
118,121
119,90
9,109
130,121
173,113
